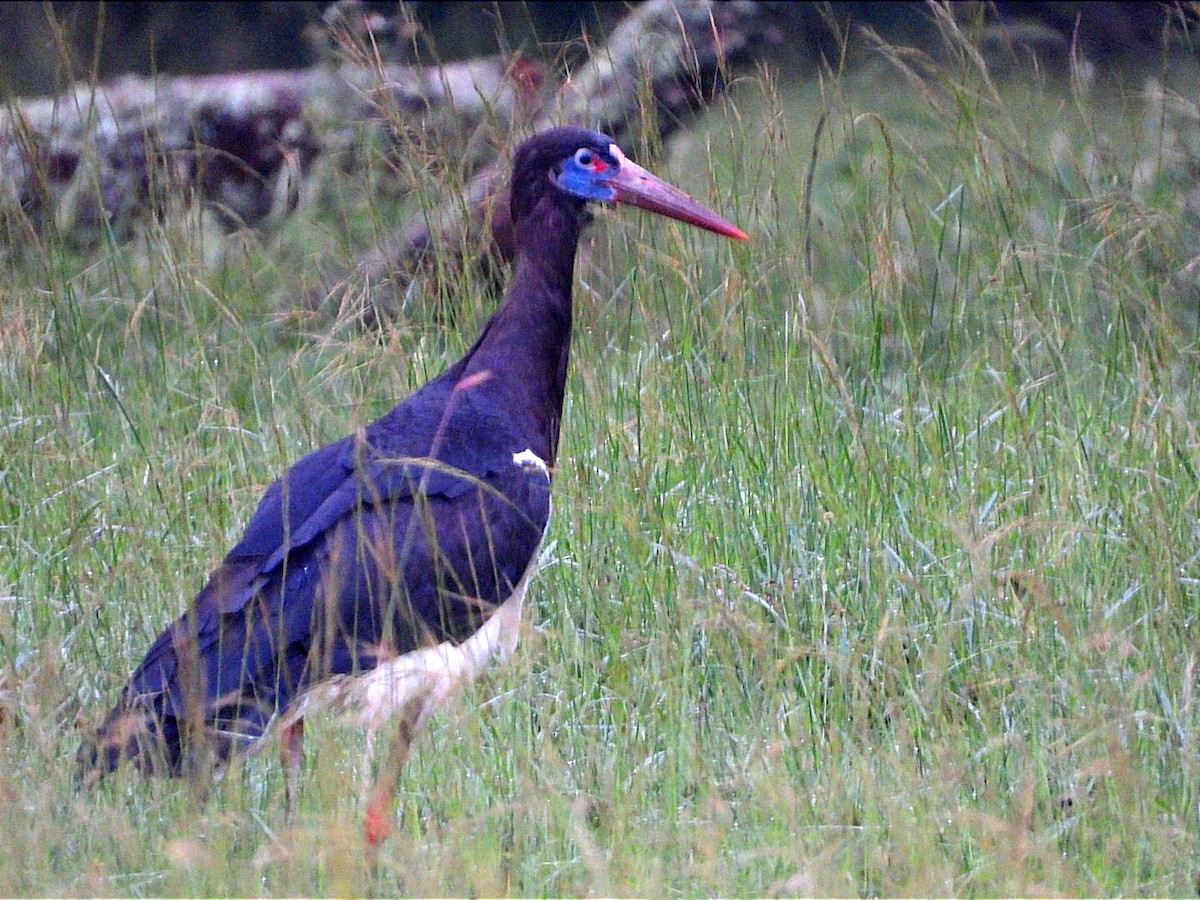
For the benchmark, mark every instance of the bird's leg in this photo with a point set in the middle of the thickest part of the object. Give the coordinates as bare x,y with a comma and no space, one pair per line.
381,804
291,756
366,772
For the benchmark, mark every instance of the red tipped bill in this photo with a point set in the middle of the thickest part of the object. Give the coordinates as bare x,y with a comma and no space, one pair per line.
637,187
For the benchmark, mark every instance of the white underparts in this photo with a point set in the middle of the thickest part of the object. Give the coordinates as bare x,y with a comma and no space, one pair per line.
415,684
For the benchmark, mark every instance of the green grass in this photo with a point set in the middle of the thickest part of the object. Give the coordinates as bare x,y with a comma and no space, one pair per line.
874,566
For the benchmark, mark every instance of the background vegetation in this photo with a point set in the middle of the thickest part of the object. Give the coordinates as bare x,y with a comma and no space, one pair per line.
874,564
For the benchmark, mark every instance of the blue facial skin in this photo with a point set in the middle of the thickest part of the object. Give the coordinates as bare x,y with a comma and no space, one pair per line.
586,175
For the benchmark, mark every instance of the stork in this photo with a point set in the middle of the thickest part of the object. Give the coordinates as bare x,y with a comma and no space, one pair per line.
381,572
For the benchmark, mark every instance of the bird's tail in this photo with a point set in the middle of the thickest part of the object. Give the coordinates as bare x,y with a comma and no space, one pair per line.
175,717
132,731
147,724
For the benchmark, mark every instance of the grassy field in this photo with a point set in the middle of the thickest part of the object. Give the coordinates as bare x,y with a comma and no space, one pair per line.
875,565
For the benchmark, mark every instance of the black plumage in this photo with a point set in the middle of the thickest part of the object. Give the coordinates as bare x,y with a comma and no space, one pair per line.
405,536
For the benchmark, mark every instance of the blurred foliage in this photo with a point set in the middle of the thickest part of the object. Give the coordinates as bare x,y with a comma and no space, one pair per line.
45,46
113,39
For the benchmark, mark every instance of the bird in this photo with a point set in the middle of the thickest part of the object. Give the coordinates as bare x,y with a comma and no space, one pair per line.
381,572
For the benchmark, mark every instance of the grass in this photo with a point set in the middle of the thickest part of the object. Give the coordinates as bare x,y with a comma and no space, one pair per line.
874,566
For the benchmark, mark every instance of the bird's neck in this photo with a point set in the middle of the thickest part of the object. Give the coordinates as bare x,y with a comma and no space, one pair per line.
521,357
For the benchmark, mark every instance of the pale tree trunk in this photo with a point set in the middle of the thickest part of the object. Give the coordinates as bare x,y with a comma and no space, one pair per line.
100,158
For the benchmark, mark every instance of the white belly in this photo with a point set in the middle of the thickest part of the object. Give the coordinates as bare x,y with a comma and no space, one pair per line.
416,683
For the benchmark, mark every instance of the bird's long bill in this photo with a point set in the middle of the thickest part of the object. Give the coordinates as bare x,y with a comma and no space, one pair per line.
637,187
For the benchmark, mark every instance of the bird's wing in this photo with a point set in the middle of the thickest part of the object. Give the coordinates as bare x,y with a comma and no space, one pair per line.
387,578
446,532
406,573
436,444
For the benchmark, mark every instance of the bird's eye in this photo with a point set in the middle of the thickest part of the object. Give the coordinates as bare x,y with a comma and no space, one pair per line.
585,158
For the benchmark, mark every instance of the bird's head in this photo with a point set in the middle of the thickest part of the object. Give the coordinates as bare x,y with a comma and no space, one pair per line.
589,166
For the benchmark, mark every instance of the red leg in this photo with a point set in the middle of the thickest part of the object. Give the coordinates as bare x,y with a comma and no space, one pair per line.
381,805
291,755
